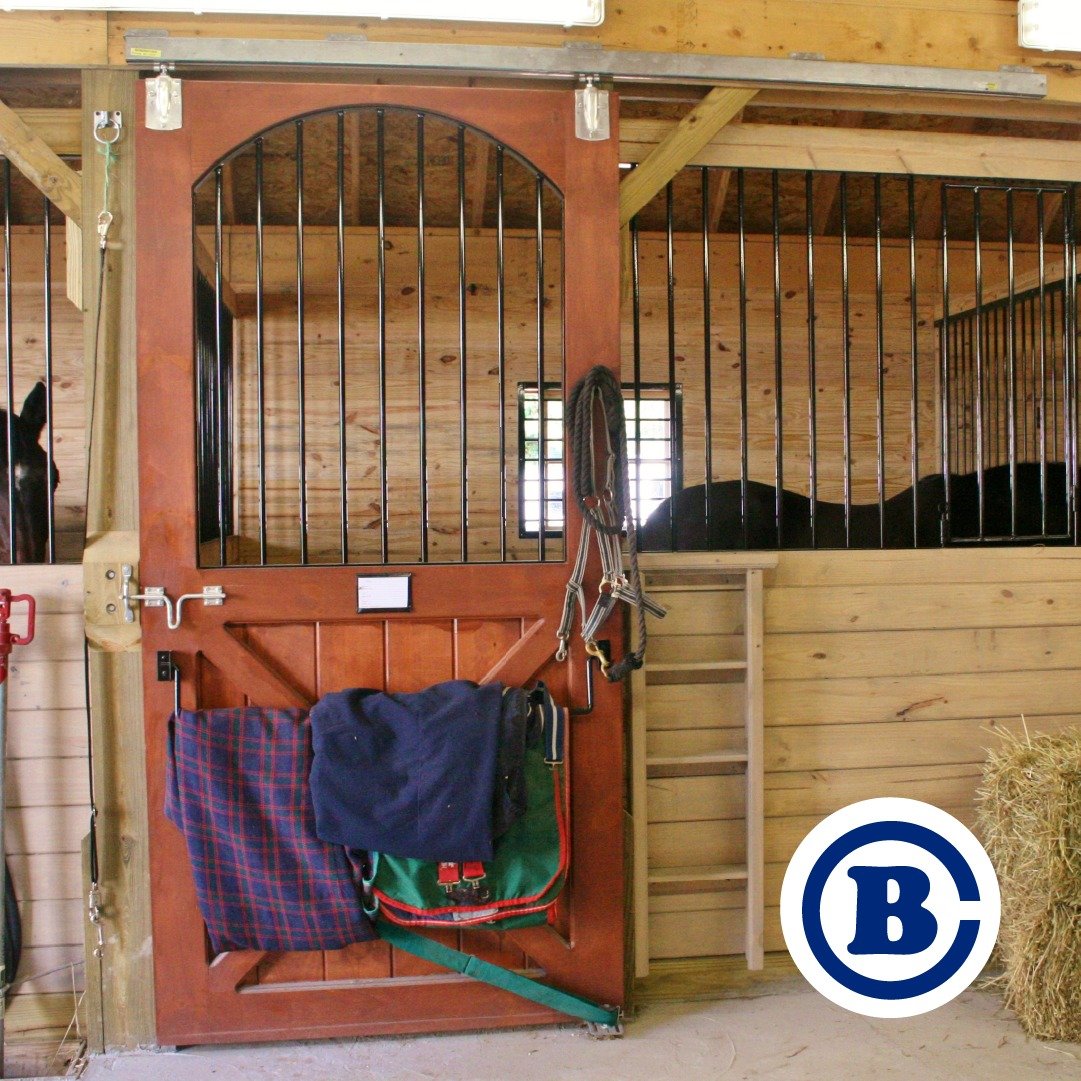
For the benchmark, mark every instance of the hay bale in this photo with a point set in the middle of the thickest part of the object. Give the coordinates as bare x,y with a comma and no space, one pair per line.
1030,819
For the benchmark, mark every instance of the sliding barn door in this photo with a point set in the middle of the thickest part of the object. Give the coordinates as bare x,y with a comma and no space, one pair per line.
360,310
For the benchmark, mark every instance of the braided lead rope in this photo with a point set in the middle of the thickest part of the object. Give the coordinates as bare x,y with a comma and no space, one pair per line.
607,512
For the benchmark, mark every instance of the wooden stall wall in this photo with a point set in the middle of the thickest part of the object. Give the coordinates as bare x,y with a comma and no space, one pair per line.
47,799
930,654
886,673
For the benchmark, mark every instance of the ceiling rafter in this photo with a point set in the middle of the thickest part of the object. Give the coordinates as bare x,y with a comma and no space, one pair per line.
39,163
679,147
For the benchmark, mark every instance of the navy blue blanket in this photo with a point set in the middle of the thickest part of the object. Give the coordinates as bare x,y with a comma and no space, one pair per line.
412,775
237,788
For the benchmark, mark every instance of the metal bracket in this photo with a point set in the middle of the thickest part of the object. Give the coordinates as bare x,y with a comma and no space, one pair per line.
591,116
107,125
164,101
169,672
605,647
600,1031
156,597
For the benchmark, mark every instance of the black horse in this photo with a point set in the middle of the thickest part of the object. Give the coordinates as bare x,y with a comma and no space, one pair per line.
681,525
30,481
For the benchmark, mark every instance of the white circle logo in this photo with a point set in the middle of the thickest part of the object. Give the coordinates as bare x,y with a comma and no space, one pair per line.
890,907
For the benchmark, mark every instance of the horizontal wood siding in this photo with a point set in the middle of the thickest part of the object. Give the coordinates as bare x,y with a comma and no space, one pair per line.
891,673
886,673
47,796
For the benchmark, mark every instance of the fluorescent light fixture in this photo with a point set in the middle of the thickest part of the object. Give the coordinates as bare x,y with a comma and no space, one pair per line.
548,12
1053,25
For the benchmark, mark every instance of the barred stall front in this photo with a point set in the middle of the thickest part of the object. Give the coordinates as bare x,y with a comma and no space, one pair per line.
852,361
379,296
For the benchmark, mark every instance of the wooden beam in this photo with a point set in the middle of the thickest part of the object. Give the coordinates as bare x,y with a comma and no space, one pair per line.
60,128
36,160
718,197
929,201
678,147
897,103
939,33
825,187
476,185
53,39
776,146
253,675
123,995
525,658
228,969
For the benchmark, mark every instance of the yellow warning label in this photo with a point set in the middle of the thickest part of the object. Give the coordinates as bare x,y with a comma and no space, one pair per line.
149,54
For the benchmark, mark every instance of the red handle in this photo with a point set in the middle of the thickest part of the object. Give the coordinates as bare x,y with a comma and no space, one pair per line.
31,612
7,639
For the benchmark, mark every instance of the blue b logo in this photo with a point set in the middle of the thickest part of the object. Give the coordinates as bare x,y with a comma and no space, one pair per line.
874,910
890,907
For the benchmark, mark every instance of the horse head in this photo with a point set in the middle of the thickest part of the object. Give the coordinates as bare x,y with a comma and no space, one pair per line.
28,479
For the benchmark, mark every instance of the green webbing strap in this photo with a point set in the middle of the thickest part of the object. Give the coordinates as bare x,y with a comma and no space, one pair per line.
468,965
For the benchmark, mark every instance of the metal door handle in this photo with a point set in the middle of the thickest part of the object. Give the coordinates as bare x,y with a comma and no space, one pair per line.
156,597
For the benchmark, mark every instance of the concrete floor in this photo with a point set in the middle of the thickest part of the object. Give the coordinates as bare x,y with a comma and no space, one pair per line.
795,1036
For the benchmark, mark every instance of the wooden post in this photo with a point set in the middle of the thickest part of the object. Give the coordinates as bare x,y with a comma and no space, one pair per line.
126,994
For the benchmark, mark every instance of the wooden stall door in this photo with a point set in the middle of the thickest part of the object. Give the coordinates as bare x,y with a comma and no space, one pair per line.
286,635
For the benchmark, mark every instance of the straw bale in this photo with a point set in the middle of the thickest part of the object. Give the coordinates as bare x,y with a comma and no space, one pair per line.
1030,820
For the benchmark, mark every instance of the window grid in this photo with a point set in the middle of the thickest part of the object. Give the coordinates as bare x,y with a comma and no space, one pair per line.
649,453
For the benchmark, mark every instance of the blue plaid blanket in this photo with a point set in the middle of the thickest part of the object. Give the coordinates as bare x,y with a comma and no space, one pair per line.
237,788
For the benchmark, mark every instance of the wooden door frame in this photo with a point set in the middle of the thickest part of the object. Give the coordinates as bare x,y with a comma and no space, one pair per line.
164,310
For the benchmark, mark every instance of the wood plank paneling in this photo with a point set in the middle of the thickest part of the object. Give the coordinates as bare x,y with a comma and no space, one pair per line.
47,783
887,673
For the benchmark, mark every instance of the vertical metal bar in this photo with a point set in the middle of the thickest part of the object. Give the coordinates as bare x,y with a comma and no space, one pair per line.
422,341
501,346
463,382
1069,325
944,374
542,444
977,221
1026,439
880,365
741,213
955,330
260,348
9,364
812,365
707,365
1052,336
1042,348
778,364
970,401
219,369
381,341
1011,364
343,476
302,419
846,360
914,360
636,328
50,502
670,261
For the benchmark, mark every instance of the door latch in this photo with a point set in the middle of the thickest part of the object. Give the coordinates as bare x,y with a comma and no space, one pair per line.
156,597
